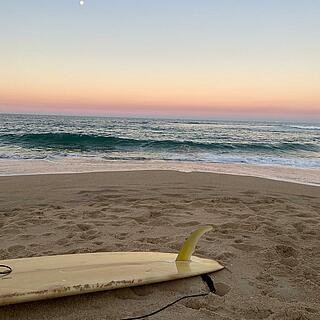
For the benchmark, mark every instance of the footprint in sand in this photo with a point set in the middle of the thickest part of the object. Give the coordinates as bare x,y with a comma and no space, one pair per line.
93,214
175,246
11,230
62,227
62,242
47,234
70,235
89,234
140,219
290,262
286,251
99,224
265,278
246,247
56,207
4,254
26,236
84,226
187,224
300,227
16,249
196,304
111,217
250,193
119,210
226,256
155,214
142,291
116,224
153,240
121,236
210,239
222,289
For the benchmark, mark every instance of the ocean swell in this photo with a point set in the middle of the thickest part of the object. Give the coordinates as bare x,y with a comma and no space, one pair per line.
85,142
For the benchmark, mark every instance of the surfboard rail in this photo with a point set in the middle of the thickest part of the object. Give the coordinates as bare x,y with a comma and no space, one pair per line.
39,278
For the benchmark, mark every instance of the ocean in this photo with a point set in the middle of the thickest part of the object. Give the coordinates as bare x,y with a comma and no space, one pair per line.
57,138
31,144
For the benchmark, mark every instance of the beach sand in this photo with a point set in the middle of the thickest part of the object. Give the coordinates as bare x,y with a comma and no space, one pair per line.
265,232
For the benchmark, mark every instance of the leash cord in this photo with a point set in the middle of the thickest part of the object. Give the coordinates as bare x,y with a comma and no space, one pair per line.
5,272
205,277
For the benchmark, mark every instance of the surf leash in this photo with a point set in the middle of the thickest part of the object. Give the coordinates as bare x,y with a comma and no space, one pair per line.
205,277
5,272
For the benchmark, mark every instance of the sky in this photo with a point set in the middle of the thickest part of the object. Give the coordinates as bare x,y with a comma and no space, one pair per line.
181,58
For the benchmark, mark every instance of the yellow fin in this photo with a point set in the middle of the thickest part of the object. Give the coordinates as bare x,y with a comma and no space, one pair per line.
189,245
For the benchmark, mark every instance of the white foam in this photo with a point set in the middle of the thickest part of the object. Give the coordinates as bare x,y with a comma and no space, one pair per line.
81,165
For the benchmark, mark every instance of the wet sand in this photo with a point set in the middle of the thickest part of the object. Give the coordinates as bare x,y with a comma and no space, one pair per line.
265,232
310,176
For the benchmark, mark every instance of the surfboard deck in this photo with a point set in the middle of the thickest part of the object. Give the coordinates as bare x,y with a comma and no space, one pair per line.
46,277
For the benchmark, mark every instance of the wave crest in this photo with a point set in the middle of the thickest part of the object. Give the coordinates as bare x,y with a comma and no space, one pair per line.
85,142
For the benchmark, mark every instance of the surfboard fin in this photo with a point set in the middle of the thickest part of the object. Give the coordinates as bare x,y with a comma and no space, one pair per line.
189,245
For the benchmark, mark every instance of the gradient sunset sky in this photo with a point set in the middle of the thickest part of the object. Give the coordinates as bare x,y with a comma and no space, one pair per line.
181,58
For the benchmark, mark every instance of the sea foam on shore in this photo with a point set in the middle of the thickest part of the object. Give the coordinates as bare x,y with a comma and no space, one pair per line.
31,167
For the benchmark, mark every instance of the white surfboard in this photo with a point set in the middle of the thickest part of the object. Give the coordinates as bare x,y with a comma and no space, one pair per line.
39,278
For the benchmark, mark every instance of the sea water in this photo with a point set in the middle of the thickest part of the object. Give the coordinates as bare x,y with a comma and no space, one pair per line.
191,142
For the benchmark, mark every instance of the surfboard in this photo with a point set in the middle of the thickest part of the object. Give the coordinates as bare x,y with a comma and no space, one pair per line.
39,278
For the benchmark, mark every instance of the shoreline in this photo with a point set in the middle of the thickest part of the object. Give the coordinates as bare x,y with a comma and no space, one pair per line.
305,176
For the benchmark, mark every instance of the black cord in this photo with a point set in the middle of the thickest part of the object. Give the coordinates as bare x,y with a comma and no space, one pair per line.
167,306
205,277
6,272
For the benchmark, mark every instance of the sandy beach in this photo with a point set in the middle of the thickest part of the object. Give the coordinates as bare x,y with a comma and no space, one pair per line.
265,232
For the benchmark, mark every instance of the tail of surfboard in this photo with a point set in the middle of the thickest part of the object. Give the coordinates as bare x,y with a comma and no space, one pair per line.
189,245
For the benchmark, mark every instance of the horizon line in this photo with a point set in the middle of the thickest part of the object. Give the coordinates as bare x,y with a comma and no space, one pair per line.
164,117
